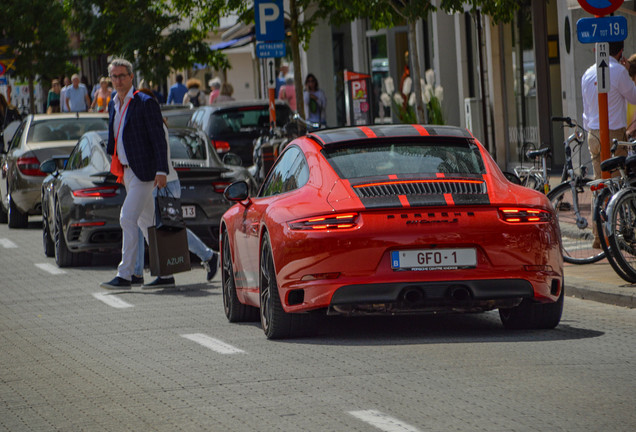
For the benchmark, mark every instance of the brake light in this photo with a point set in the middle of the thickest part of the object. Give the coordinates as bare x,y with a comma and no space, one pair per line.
30,166
221,146
88,224
524,215
96,192
329,222
596,187
219,187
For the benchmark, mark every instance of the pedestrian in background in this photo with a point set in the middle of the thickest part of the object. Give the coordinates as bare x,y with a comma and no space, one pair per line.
227,90
622,90
280,79
288,92
137,143
215,86
67,83
77,99
53,98
631,108
101,98
8,114
194,95
315,101
177,91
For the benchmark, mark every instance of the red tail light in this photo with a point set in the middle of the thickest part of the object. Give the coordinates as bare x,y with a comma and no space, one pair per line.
96,192
524,215
221,146
88,224
329,222
30,166
219,187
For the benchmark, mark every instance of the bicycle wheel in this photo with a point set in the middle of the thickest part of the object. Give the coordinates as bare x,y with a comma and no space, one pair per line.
622,233
577,234
600,219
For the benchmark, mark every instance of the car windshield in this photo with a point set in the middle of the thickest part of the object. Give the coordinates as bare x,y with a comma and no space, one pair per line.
64,129
409,157
187,146
247,119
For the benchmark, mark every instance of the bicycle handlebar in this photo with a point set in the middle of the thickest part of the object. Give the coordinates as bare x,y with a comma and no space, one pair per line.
566,120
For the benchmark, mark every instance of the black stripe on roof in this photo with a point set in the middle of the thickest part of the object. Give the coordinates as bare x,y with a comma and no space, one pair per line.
353,133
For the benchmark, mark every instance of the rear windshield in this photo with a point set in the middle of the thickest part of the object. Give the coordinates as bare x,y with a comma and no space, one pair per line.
245,120
377,159
187,146
64,129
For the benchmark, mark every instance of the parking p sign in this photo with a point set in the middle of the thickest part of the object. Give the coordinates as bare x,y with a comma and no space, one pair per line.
270,20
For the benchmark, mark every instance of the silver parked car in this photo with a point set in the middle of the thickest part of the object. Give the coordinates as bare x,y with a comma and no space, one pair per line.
39,137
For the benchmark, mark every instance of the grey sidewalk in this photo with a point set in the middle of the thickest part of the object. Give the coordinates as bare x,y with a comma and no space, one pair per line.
599,282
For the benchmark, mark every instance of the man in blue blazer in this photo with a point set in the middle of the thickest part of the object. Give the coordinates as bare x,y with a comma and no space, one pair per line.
137,143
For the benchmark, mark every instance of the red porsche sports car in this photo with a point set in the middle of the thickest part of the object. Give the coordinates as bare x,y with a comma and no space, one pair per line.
389,219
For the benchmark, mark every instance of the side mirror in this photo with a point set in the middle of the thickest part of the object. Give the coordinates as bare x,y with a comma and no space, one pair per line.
237,191
232,159
49,166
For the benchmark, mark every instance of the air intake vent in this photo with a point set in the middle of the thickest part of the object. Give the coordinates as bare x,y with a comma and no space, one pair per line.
425,187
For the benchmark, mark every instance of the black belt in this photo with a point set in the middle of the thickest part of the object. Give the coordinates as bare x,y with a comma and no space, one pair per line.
125,166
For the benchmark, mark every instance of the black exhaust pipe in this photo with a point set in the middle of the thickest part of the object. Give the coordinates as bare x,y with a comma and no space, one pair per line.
459,293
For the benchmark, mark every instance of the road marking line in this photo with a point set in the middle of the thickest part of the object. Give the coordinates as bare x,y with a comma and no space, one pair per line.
7,244
212,343
111,300
383,421
50,268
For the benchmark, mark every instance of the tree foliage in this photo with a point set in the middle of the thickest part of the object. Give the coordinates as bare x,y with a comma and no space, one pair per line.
35,30
156,35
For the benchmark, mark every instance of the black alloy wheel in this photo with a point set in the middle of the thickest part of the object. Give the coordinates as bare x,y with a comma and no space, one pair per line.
235,311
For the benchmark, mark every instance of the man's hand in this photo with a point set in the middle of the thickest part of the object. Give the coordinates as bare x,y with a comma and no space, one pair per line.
160,181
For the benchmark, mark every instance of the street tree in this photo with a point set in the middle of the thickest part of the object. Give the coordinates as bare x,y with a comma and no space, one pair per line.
156,35
38,41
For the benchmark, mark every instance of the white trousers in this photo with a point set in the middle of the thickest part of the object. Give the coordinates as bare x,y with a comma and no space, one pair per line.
137,211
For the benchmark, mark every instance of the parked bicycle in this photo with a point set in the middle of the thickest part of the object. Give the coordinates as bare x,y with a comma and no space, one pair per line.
572,200
615,212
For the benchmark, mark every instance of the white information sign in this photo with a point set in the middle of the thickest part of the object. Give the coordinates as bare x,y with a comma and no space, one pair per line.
602,67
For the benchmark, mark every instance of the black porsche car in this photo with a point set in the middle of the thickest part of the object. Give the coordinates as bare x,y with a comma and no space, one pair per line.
81,200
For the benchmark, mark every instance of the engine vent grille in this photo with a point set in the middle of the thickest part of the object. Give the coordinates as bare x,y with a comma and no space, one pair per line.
425,187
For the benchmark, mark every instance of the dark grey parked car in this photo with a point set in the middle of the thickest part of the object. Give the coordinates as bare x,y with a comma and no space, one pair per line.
233,126
81,200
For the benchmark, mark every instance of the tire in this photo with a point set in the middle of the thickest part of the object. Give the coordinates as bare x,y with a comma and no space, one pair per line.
600,219
63,256
47,241
622,233
276,323
577,240
235,311
16,218
532,315
4,216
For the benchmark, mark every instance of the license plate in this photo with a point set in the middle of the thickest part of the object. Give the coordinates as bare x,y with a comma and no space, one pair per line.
433,259
188,212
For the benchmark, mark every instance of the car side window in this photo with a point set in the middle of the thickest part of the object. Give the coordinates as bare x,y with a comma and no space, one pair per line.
79,155
289,173
99,161
15,141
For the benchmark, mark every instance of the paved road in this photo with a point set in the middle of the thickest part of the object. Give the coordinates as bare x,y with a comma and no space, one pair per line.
75,357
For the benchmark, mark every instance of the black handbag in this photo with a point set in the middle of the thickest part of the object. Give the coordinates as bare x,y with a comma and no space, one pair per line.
168,214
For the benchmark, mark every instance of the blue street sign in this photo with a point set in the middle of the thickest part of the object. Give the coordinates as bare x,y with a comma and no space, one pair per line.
270,49
605,29
269,17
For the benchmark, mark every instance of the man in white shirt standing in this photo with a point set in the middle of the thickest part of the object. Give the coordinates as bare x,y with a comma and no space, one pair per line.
622,90
76,96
